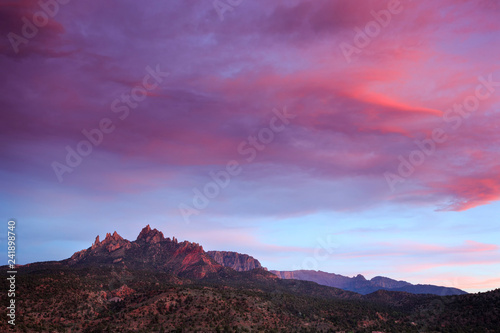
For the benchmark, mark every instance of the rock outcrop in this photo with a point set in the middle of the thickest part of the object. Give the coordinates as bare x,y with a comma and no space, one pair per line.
151,250
237,261
149,235
363,286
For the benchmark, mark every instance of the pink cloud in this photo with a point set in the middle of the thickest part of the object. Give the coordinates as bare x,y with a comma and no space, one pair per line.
464,282
353,121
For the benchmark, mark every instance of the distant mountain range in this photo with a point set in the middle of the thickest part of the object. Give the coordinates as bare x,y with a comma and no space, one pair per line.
158,284
363,286
358,284
237,261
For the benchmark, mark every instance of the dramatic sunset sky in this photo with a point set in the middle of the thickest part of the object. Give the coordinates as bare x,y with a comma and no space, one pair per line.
362,136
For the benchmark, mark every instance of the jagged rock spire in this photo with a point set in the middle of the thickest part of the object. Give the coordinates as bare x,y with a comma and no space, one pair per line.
96,242
149,235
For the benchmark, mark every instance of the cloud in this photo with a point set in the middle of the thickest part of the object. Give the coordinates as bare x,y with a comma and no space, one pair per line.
427,256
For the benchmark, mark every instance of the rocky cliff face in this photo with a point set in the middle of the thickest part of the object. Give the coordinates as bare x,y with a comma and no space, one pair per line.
150,250
237,261
363,286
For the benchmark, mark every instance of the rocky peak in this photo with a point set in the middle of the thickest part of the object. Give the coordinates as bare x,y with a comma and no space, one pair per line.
150,250
111,243
149,235
388,283
96,243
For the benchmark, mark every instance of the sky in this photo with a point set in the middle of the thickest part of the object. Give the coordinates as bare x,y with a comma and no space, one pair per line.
353,137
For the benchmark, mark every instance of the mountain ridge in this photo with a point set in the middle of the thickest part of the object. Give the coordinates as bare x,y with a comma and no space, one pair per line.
150,250
363,286
237,261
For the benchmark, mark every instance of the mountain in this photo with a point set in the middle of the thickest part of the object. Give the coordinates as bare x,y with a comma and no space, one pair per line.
151,250
157,284
237,261
363,286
